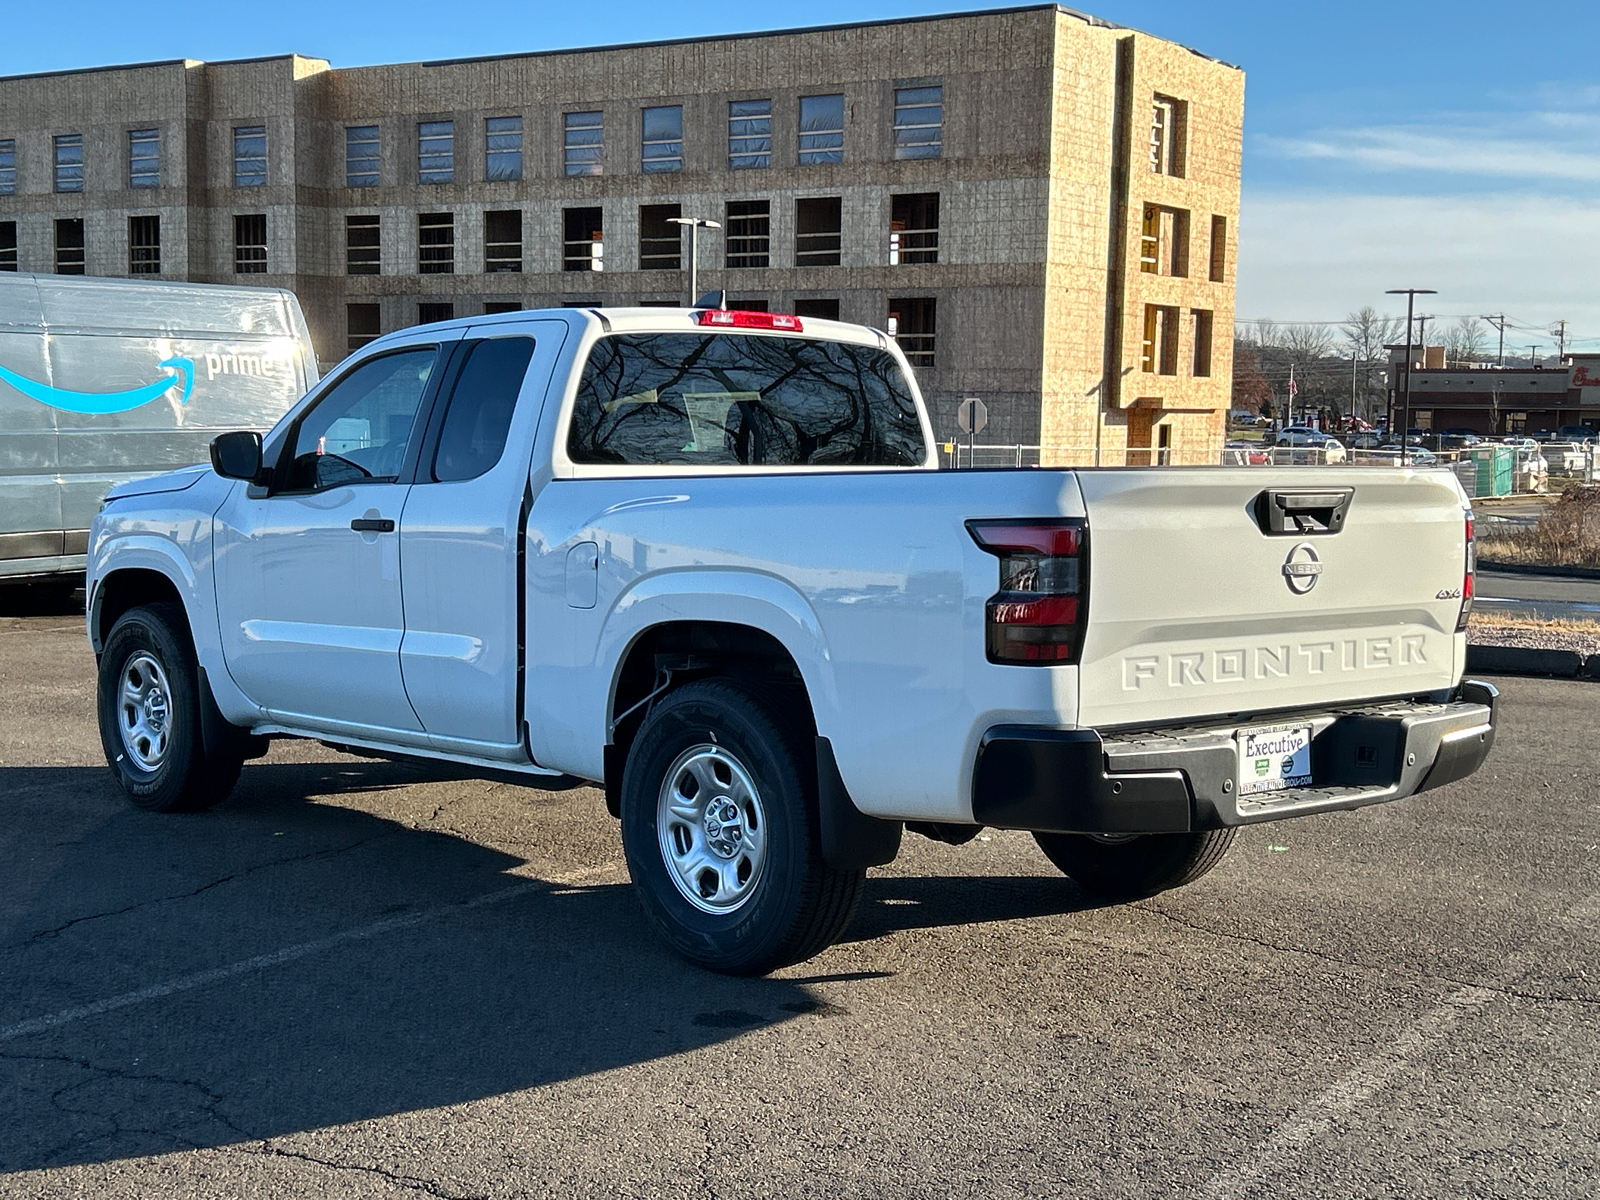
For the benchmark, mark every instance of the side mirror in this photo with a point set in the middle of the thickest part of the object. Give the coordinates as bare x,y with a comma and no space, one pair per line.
237,455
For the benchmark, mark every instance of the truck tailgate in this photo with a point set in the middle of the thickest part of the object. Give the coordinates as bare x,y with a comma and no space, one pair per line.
1192,612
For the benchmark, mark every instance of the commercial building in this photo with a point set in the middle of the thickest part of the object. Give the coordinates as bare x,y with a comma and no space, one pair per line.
1501,401
1043,204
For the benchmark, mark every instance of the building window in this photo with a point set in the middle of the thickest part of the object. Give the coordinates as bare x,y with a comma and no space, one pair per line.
1219,248
749,134
1160,351
144,158
912,324
436,152
661,145
1164,241
69,163
749,233
491,307
69,246
821,129
502,241
918,122
250,156
362,249
914,228
585,134
144,245
427,314
8,166
436,243
660,241
361,325
583,246
502,137
1168,130
822,309
817,231
250,244
8,245
1202,343
361,156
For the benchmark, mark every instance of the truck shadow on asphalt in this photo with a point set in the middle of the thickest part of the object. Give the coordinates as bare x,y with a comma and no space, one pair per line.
461,981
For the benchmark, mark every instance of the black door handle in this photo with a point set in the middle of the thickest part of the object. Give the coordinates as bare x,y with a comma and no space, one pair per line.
372,525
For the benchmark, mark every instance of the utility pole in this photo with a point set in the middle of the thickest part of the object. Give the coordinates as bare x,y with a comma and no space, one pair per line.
1422,335
1411,295
1561,341
1499,322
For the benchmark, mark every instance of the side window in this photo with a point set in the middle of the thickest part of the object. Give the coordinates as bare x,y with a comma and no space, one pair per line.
359,431
481,404
742,400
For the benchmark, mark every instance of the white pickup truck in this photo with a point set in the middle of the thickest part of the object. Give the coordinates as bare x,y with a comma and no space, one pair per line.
705,559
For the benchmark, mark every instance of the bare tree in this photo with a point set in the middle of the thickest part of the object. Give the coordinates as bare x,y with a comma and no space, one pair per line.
1266,333
1367,333
1306,343
1251,392
1466,341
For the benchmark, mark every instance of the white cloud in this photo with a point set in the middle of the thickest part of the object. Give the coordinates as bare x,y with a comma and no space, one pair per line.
1458,151
1316,256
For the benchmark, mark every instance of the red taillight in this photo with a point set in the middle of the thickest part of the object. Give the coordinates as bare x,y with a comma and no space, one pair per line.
1467,577
1036,618
737,318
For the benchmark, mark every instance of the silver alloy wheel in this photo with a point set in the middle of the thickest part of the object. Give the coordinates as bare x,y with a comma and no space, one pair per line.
144,712
712,829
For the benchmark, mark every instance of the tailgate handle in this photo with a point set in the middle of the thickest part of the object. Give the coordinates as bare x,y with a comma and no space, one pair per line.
1287,513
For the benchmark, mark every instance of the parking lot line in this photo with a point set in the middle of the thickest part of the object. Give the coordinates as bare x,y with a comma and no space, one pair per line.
1359,1085
272,958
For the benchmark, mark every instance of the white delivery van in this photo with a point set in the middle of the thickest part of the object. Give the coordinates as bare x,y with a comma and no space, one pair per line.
104,381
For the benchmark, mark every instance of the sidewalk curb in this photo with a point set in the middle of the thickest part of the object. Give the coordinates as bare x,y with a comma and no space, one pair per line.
1531,569
1516,660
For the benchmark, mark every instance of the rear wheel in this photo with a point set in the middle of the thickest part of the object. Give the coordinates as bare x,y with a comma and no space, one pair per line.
1127,868
149,704
720,827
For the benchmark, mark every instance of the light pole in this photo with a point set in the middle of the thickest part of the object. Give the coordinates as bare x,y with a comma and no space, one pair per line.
695,224
1411,295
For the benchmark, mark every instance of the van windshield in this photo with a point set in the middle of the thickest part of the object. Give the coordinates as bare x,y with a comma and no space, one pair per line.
724,399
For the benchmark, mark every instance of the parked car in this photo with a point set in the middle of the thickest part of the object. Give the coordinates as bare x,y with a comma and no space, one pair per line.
1576,433
1566,458
1365,441
1458,439
1296,437
103,381
707,559
1417,456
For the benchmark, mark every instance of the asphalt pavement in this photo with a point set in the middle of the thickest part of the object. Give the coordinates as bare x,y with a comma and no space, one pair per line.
361,979
1543,596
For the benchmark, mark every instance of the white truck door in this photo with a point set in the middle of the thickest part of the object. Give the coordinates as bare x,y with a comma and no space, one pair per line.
459,536
308,576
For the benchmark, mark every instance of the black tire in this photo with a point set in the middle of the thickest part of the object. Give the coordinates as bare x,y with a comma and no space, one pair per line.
161,763
796,905
1139,866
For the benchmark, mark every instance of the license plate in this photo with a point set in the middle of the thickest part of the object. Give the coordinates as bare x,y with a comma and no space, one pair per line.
1274,757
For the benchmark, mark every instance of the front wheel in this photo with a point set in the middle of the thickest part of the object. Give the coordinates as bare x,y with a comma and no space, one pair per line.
149,707
720,828
1127,868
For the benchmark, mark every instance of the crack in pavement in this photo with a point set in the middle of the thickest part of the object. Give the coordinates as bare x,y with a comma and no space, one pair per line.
210,1104
203,888
415,1183
1333,959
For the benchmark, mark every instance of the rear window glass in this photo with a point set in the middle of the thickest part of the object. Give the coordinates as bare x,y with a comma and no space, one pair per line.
739,400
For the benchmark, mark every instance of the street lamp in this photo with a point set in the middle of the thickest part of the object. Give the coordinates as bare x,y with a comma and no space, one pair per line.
1411,295
694,224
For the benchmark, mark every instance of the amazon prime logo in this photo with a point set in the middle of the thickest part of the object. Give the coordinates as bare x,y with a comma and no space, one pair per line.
1302,569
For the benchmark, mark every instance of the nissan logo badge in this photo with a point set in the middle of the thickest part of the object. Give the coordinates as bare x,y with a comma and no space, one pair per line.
1302,568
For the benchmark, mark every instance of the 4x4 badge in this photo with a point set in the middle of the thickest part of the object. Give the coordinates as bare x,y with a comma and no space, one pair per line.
1302,569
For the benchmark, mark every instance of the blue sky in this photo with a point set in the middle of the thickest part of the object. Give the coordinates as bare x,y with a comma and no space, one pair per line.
1454,146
